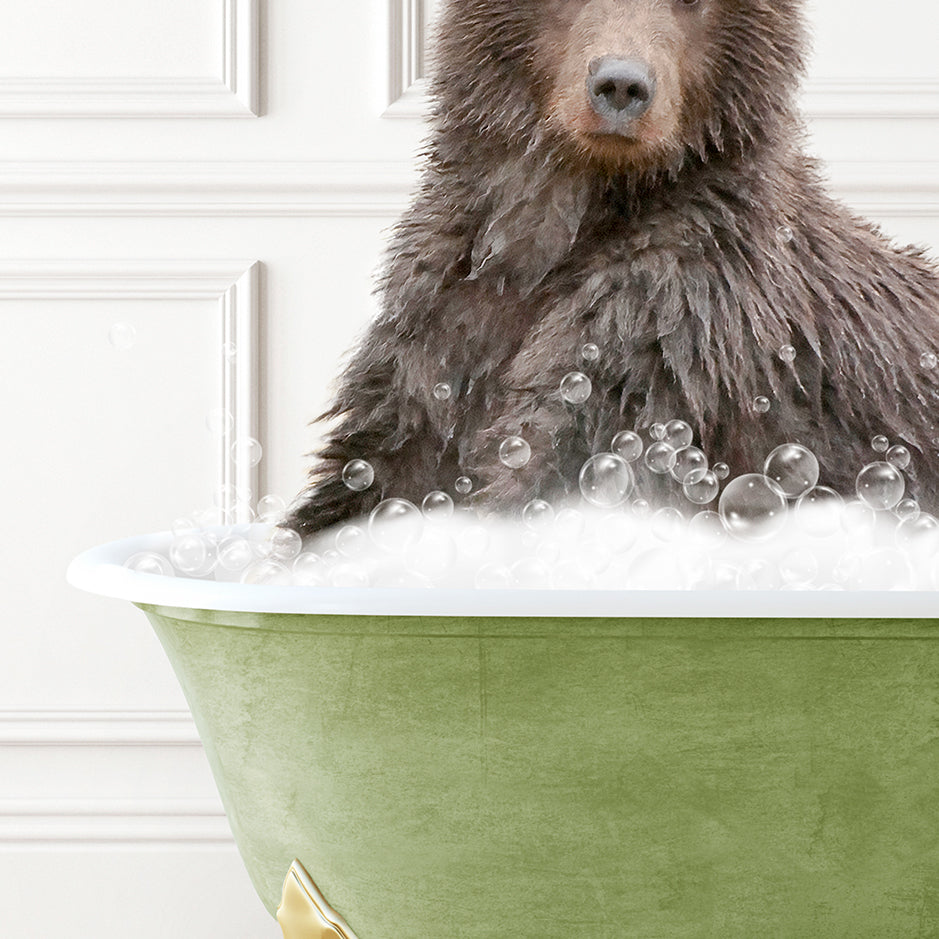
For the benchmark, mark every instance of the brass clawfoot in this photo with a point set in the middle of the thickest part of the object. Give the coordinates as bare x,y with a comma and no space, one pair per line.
304,913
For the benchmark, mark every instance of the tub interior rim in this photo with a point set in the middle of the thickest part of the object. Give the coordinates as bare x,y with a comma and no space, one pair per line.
100,570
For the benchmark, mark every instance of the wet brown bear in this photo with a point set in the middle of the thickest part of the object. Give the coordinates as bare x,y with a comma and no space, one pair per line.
627,173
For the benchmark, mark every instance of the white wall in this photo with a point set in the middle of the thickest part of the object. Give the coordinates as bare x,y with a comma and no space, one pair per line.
205,170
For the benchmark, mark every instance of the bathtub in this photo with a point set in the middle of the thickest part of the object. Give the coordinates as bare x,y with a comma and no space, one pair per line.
537,765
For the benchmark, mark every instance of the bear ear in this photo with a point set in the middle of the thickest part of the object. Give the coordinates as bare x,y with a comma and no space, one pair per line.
531,225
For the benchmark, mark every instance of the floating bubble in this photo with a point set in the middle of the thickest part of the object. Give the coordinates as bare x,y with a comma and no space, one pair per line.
880,486
701,486
358,475
660,458
785,235
688,460
442,391
793,468
628,445
437,505
351,541
907,508
538,515
590,352
122,336
787,353
658,432
880,443
271,508
464,485
678,435
514,452
310,570
192,554
707,528
929,360
818,511
246,451
919,533
235,554
576,388
798,566
606,480
752,508
267,572
640,508
395,524
220,422
721,470
668,524
149,562
182,525
569,525
858,518
899,456
761,404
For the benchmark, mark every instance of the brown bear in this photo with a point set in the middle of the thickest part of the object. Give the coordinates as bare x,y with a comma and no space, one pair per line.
628,174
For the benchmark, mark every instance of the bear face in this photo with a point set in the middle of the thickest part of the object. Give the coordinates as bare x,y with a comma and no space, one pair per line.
621,85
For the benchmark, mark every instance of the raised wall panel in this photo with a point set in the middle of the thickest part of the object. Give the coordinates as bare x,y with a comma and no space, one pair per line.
864,65
95,58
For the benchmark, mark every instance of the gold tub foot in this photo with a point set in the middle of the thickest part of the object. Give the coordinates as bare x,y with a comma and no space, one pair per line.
304,913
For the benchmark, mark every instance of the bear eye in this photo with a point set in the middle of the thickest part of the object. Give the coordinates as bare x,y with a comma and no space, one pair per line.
688,3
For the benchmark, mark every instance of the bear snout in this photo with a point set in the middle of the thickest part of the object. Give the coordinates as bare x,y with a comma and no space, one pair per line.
620,90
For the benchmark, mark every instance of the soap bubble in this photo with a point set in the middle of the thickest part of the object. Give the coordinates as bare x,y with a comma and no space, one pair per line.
880,443
628,445
899,456
474,541
759,574
182,525
752,508
721,470
678,435
879,569
761,404
235,554
395,524
538,515
434,555
590,352
358,475
907,508
919,533
271,508
818,511
576,388
793,468
617,531
246,451
122,336
606,480
442,391
349,576
310,570
660,458
192,554
569,525
707,528
688,460
858,518
929,360
785,234
514,452
880,485
351,541
530,574
668,524
701,486
787,353
267,572
658,432
149,562
220,421
437,505
464,485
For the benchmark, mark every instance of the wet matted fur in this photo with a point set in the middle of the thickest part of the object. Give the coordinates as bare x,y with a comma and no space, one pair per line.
689,251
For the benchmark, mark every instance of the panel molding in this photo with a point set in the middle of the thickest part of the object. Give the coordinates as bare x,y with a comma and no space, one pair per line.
97,728
849,97
234,93
233,285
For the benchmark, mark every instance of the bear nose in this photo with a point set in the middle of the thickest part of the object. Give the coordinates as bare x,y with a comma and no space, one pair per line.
620,90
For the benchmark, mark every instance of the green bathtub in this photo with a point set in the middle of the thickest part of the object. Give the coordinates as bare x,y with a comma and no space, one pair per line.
677,772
